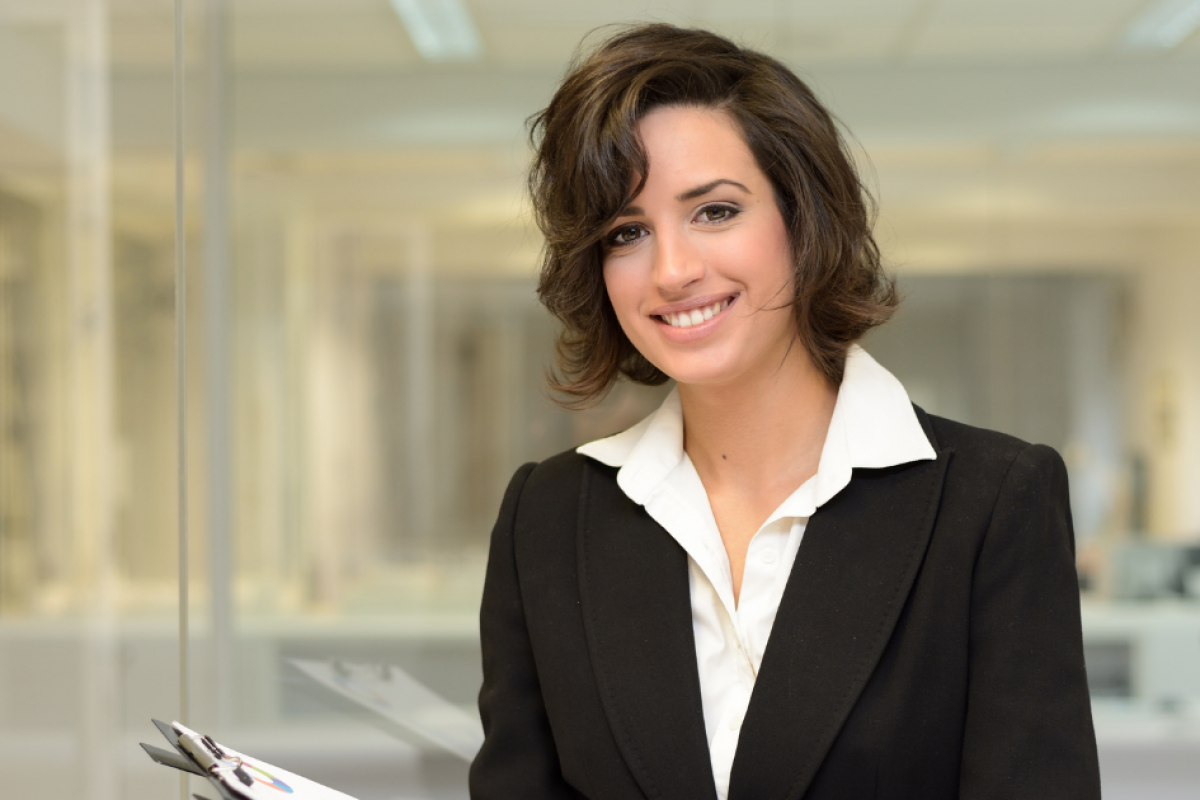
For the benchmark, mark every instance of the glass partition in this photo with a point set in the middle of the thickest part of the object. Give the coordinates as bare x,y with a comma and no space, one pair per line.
88,552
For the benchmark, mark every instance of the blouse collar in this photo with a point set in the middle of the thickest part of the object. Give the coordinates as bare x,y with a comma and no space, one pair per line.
873,426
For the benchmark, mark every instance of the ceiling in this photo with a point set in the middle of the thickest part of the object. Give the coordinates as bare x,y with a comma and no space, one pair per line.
353,34
998,133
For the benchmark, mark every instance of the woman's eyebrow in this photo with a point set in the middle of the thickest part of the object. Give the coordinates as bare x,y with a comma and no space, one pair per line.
692,194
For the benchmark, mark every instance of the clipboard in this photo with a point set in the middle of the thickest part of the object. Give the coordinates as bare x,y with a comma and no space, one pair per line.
233,775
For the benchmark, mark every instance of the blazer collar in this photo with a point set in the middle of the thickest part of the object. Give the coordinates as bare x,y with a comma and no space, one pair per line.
633,581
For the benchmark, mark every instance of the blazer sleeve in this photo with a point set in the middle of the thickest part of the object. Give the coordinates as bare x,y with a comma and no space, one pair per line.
518,758
1029,727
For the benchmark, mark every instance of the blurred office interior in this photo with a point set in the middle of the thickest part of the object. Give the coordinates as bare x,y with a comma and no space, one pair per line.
340,213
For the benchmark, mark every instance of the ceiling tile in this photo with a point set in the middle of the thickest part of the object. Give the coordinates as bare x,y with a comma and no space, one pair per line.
506,13
1006,40
547,45
355,39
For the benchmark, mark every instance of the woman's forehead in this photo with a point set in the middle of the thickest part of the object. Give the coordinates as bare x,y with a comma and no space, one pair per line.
693,146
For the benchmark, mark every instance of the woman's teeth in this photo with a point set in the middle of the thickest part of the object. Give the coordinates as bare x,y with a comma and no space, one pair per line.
686,319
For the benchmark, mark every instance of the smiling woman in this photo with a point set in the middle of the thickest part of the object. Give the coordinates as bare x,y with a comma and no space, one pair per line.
591,131
788,581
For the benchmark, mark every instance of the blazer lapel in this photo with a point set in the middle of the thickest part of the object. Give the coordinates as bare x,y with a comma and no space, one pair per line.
856,564
633,580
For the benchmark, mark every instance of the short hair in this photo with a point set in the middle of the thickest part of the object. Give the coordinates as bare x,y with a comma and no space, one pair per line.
587,153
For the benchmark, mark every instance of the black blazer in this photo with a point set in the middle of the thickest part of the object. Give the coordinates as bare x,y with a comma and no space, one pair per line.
927,645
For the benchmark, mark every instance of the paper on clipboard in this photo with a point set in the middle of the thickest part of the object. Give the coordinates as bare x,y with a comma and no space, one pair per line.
402,700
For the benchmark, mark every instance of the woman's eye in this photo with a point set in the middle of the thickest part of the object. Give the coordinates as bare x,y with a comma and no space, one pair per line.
717,213
626,234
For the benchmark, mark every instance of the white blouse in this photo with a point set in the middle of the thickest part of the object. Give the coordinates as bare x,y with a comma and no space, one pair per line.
873,425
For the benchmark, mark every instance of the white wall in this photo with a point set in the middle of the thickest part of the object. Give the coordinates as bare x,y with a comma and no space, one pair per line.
1165,394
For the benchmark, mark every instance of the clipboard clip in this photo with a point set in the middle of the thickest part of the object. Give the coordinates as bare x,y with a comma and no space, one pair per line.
210,757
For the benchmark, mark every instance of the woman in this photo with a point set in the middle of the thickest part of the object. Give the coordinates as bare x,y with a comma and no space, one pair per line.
788,581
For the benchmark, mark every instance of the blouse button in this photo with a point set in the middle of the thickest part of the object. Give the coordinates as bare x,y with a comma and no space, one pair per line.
768,556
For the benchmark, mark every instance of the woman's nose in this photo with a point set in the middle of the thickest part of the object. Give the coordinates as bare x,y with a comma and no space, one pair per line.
677,262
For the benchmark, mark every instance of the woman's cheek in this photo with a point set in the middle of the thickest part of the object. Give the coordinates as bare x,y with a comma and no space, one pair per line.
620,283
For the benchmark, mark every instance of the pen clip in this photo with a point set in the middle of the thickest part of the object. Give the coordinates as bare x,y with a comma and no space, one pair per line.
234,765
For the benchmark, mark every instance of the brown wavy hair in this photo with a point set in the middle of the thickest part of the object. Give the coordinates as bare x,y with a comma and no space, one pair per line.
588,154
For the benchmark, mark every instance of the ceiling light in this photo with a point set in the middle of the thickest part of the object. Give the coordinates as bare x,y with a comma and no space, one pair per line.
1162,26
441,30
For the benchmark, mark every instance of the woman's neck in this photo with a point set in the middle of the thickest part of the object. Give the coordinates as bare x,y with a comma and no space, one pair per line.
762,435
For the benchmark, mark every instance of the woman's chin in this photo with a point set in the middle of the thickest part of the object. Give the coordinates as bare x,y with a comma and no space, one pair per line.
701,372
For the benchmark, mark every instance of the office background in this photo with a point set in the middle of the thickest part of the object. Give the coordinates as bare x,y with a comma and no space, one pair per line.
336,230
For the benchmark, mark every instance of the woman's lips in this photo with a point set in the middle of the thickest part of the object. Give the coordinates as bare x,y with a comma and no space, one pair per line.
679,326
695,316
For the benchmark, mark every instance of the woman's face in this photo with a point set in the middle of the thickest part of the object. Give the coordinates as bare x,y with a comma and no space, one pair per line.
698,267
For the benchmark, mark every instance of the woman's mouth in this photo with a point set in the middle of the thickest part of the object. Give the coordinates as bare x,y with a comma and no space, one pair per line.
686,319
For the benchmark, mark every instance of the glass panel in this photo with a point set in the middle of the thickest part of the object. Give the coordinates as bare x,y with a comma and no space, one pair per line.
87,404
